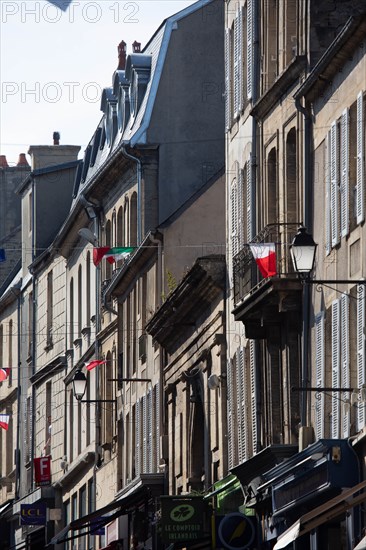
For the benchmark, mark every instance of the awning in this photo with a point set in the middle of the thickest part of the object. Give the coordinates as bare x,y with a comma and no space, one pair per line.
228,481
5,507
361,545
322,514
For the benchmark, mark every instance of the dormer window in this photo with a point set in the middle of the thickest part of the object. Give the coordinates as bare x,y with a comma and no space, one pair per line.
109,108
138,70
121,92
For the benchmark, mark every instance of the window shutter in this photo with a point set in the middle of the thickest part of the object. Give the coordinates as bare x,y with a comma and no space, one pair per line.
240,59
228,113
253,396
149,413
335,423
334,187
345,370
328,245
144,434
241,405
250,43
360,166
230,416
234,218
240,229
319,374
157,419
344,153
249,198
236,75
137,440
360,338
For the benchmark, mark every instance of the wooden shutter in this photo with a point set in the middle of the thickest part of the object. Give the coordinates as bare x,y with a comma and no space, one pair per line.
230,416
228,111
328,243
360,344
137,439
319,374
334,186
240,195
144,434
249,198
335,422
250,45
241,405
234,217
345,370
360,166
253,396
240,59
344,189
149,425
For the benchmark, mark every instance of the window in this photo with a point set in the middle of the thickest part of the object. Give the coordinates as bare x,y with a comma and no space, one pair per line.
80,301
319,373
360,177
108,242
272,187
49,329
88,290
30,324
10,353
48,419
292,194
71,427
133,220
30,211
71,314
126,217
360,348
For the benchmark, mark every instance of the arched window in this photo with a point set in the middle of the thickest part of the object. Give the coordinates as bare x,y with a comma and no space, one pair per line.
272,198
71,313
88,290
120,227
126,232
108,242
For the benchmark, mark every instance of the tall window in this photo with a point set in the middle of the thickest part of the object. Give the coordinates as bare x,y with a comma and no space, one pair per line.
71,426
126,233
30,323
133,220
48,419
10,353
272,194
80,300
120,240
108,242
71,314
88,290
49,308
291,180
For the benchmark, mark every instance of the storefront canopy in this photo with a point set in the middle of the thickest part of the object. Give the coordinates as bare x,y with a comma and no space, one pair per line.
320,515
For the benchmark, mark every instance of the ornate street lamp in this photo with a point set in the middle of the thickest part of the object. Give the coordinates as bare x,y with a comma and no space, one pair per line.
303,249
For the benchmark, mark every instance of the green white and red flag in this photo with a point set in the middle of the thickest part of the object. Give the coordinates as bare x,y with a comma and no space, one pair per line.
112,255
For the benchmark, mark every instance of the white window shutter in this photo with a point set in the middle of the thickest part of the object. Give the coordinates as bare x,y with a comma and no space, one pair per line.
360,166
249,204
328,244
335,423
157,420
228,77
230,415
253,396
240,58
344,189
241,405
149,421
250,46
144,433
319,374
334,184
234,217
360,339
236,66
137,440
240,195
345,368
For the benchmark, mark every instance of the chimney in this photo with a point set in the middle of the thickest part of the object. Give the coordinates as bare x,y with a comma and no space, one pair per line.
136,47
3,162
56,138
121,56
22,161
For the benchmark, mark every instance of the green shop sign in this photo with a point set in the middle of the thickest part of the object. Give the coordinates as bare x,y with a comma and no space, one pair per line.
182,518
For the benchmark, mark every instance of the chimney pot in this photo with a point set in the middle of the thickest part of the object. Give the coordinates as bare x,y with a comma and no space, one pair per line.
3,162
136,47
121,56
22,161
56,138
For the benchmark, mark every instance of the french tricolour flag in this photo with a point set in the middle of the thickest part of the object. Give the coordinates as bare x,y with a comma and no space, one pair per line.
4,421
265,257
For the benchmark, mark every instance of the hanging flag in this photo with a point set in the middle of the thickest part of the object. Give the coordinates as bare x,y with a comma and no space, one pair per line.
4,421
265,257
2,255
111,254
93,364
4,373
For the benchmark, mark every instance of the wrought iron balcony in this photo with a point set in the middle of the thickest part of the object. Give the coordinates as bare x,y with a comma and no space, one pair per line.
247,277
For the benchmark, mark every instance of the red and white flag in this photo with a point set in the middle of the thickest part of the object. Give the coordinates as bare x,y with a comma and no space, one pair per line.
93,364
4,421
4,373
265,257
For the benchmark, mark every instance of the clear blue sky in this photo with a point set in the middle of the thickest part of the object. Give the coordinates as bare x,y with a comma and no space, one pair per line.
55,63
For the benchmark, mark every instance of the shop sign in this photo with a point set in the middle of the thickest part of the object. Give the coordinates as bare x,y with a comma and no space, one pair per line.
42,470
33,514
182,518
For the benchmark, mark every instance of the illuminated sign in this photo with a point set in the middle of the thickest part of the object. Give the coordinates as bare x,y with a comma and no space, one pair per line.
42,470
33,514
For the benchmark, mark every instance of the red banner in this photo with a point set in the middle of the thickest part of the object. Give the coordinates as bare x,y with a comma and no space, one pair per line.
42,470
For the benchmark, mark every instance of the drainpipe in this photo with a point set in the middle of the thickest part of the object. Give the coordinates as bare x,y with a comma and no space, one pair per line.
307,193
139,176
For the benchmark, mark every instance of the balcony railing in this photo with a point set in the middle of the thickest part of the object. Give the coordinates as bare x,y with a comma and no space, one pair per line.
247,277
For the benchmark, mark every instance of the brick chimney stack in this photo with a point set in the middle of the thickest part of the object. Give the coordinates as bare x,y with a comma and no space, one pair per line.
136,47
121,56
56,138
22,161
3,162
